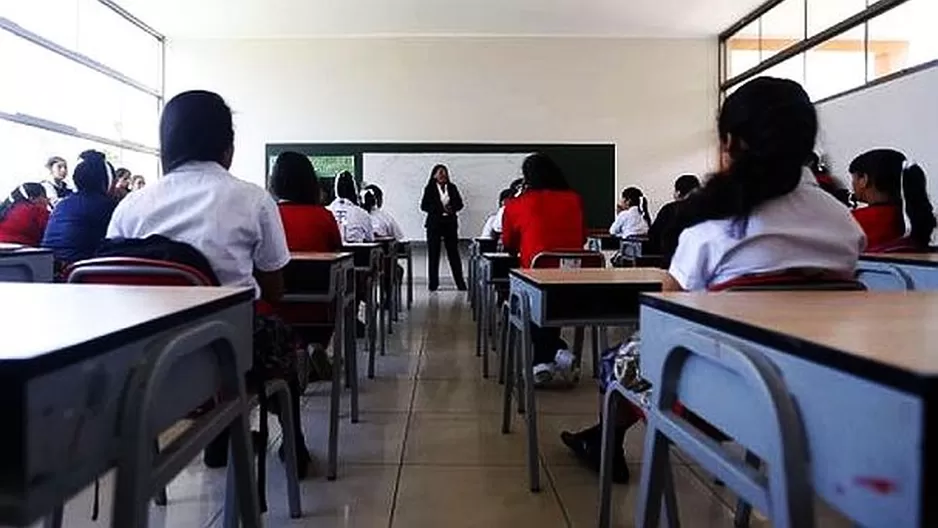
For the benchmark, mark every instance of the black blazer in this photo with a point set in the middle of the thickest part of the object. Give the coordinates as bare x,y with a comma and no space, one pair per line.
433,205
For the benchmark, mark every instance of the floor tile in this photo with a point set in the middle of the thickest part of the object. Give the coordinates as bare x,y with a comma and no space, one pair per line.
377,395
378,438
462,440
464,366
556,454
458,396
467,497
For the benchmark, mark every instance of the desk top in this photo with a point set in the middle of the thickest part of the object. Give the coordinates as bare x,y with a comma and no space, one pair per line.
310,256
888,337
494,256
592,276
915,259
18,250
361,245
54,325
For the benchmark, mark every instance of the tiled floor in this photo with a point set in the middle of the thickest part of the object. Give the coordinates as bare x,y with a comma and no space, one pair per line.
429,453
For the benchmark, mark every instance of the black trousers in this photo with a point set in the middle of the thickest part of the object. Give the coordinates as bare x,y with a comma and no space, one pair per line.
547,342
445,232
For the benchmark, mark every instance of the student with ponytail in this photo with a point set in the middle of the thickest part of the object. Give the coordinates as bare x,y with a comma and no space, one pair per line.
633,218
898,214
24,215
354,222
383,224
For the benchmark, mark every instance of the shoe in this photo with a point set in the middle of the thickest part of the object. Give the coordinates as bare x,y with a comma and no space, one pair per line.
462,287
434,287
359,329
566,370
215,455
303,459
587,447
543,374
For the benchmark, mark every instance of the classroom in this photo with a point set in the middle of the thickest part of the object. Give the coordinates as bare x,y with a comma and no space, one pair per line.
439,263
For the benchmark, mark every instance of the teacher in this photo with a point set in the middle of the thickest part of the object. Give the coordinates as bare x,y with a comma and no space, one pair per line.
441,201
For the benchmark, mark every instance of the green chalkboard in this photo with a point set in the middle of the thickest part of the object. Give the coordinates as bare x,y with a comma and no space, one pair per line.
590,168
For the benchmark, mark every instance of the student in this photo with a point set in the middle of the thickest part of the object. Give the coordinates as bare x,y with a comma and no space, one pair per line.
56,188
633,218
493,224
24,215
137,182
308,225
383,224
899,212
120,186
79,222
764,212
235,224
826,180
548,216
354,222
683,187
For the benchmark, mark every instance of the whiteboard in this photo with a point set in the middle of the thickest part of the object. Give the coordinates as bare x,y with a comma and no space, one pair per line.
479,177
900,114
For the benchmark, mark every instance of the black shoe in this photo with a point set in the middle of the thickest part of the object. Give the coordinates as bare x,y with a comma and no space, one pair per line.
359,329
215,455
303,459
462,287
586,446
434,287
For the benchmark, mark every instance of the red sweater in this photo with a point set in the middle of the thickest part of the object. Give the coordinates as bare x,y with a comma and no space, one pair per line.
544,220
310,228
24,223
883,224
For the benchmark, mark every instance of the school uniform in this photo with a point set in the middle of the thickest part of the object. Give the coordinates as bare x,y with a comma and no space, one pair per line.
384,226
309,228
235,224
24,223
629,222
354,222
493,224
884,224
79,221
57,190
805,229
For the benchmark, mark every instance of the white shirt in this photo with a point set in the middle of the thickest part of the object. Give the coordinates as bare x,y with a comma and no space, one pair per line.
493,224
807,228
629,223
383,225
444,194
354,222
235,224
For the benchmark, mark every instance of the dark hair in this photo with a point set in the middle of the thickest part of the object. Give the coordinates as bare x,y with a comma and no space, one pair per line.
768,127
23,193
889,173
635,196
369,200
379,194
686,184
122,173
53,160
541,172
435,169
345,187
505,195
294,179
195,126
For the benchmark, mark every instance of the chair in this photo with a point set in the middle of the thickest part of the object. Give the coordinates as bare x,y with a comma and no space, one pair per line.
148,272
405,252
792,509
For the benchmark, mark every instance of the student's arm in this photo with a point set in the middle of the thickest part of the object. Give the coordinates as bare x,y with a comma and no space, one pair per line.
455,199
429,203
692,266
511,236
670,284
488,230
395,228
270,251
618,224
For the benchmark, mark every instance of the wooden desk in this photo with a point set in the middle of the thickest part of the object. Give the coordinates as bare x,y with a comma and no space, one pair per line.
63,391
25,264
330,278
898,271
369,267
861,367
565,297
492,274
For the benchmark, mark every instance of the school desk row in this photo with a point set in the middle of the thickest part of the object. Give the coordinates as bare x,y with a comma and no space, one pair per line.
836,393
89,395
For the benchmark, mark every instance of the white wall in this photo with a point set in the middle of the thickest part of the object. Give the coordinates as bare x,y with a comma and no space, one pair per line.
655,99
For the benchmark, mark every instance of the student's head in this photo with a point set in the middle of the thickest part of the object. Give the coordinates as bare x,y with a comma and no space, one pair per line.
542,173
345,187
816,164
379,194
516,187
137,182
634,197
886,176
294,179
26,193
196,126
369,200
93,174
767,130
120,185
504,196
685,185
439,174
57,167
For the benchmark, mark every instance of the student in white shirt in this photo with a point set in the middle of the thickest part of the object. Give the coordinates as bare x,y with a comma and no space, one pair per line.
493,224
763,213
383,224
233,223
354,222
633,218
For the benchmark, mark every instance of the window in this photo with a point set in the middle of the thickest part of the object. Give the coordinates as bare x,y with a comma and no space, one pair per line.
837,65
744,50
903,38
792,68
782,27
823,14
77,75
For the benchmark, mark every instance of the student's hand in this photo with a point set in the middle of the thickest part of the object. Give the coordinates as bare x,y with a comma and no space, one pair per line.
620,206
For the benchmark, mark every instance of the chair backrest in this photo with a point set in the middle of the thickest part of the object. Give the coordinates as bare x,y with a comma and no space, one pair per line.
134,271
903,245
576,259
793,280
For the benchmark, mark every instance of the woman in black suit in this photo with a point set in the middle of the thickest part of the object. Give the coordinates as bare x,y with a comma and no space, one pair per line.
441,201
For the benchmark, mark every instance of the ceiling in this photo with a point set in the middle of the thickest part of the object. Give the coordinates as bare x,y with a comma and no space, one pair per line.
343,18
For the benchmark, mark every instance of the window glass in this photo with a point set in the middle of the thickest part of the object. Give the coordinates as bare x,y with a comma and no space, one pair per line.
742,50
792,68
55,20
110,39
782,27
903,37
837,65
823,14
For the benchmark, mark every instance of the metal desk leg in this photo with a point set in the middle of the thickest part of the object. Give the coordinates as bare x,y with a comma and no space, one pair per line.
596,331
339,351
410,278
507,342
527,358
384,326
485,320
372,330
352,359
508,366
744,509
